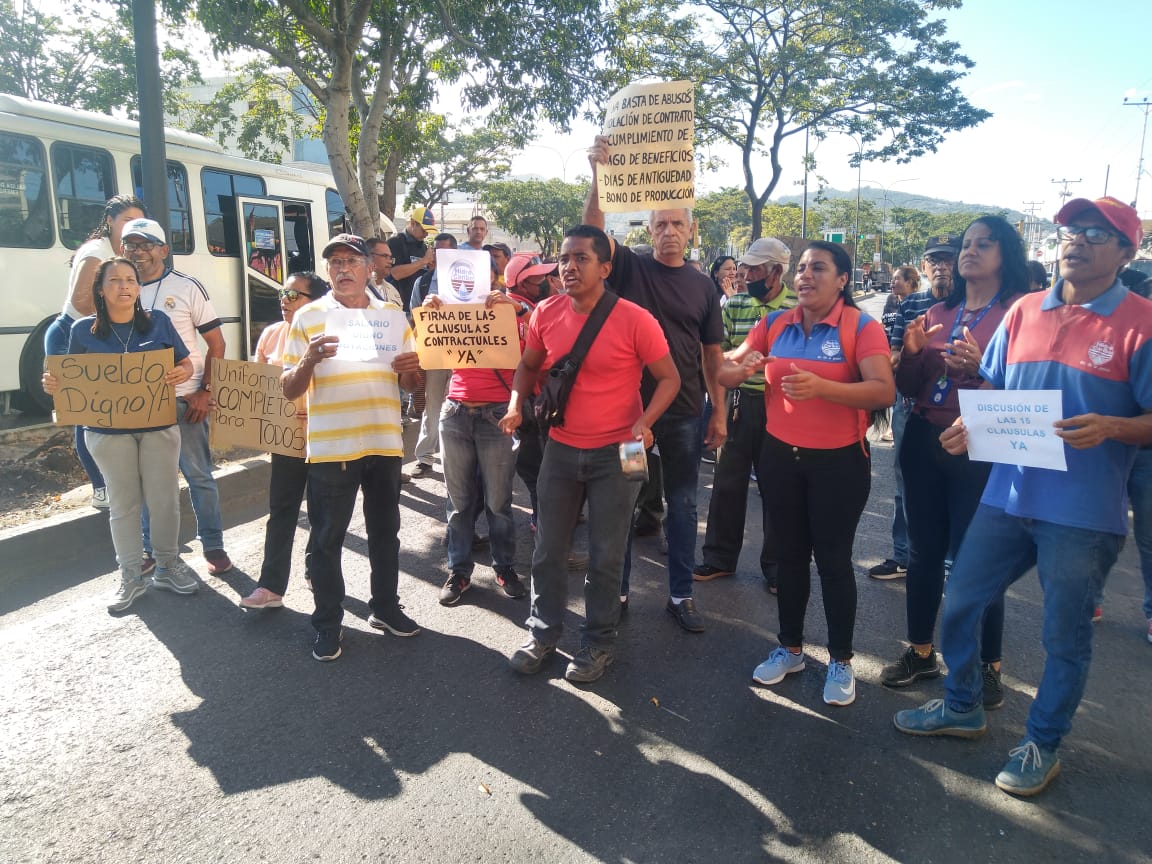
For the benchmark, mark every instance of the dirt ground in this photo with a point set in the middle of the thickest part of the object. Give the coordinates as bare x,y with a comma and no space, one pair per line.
45,481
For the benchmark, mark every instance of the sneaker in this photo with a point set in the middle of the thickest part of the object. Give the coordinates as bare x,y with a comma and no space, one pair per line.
588,665
218,562
148,565
1030,768
910,667
394,621
456,585
176,579
127,593
705,573
100,498
1150,629
421,469
509,580
840,685
888,569
936,718
262,598
993,689
529,657
327,645
780,662
1097,614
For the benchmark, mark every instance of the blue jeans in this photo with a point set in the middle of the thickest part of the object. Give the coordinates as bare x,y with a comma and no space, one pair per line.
678,439
1072,564
568,475
56,339
479,469
1140,493
900,551
196,466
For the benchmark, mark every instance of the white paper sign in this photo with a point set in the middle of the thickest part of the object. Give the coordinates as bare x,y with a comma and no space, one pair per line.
463,275
366,335
1014,427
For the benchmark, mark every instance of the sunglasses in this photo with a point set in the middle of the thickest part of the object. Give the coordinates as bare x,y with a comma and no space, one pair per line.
291,294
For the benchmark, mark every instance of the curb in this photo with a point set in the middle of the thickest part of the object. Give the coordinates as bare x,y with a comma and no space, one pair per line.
83,533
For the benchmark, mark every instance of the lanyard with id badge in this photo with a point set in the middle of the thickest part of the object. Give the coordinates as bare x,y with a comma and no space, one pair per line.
943,384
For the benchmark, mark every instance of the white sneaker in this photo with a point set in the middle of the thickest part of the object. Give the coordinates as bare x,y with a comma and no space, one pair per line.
1150,629
780,663
100,498
127,593
176,579
840,686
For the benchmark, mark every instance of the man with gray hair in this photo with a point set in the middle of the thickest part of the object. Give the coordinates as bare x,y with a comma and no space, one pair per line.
767,259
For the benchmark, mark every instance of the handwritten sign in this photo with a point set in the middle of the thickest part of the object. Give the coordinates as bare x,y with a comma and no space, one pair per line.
467,337
463,275
114,391
367,335
1014,427
652,163
251,410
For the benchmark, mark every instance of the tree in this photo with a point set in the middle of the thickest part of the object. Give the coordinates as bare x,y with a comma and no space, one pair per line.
768,70
371,64
717,216
92,67
455,158
540,209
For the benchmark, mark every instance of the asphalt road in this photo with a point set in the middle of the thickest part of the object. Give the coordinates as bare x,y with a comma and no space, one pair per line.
189,730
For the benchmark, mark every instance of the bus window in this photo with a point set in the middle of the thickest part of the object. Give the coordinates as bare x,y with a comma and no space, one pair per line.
85,180
337,218
179,207
298,237
220,191
25,202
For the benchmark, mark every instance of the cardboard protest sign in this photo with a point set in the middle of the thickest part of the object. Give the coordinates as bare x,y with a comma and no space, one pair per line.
467,336
463,275
114,391
251,410
367,335
652,163
1014,427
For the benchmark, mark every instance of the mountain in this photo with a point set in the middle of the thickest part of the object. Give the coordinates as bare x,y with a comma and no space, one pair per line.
911,201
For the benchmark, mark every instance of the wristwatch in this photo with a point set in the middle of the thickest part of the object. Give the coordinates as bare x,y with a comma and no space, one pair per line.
524,310
207,388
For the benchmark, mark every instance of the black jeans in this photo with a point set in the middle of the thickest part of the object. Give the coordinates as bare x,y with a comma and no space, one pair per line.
815,500
332,488
285,493
728,508
941,494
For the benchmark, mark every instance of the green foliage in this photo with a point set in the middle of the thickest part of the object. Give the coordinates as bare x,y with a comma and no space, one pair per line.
449,158
717,215
91,67
538,209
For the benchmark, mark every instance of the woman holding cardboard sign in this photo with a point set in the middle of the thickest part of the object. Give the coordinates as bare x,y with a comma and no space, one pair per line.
139,465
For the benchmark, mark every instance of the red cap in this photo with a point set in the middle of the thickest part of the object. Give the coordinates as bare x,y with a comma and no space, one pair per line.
1118,214
523,265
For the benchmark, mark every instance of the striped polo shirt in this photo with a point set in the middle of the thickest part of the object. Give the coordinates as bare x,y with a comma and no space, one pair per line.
741,313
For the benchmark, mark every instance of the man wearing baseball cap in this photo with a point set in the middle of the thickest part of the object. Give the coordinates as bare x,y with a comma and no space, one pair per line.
1091,339
767,260
411,254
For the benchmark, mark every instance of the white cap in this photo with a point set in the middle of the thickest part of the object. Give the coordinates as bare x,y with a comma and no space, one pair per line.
149,229
767,250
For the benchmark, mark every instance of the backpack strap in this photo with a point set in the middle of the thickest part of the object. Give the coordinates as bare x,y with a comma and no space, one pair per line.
849,327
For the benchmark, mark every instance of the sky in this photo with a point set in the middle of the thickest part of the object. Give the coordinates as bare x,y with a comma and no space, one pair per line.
1054,75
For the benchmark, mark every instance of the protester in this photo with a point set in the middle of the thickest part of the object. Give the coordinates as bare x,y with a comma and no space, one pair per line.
411,256
139,465
827,366
434,382
723,273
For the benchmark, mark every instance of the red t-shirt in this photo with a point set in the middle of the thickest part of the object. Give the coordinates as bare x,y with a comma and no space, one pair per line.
605,399
488,385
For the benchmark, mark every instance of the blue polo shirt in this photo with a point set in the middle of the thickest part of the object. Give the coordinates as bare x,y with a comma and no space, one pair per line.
1097,354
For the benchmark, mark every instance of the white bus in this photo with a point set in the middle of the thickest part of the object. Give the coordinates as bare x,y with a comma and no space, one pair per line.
239,226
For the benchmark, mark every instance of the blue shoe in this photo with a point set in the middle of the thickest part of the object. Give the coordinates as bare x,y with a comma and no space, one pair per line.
1029,770
840,686
780,662
936,718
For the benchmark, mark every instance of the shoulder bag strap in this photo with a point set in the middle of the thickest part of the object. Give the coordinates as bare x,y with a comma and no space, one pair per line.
591,328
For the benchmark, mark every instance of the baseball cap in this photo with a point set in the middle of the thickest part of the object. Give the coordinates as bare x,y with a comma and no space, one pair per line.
149,229
523,265
423,216
349,241
767,250
943,243
1118,214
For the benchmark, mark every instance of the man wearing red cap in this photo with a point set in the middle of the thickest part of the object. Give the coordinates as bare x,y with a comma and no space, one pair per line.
1089,338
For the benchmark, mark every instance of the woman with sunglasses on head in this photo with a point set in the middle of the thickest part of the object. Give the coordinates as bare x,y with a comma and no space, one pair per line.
140,466
941,356
289,478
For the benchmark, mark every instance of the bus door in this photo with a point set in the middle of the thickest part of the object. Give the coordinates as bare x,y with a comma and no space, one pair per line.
262,242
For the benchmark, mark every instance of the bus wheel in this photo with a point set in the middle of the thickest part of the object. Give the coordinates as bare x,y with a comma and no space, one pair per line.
31,368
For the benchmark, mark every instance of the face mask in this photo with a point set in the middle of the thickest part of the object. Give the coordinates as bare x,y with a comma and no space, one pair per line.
758,289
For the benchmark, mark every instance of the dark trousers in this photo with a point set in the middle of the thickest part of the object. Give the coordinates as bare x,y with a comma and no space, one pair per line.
941,494
815,500
332,488
285,494
728,509
529,455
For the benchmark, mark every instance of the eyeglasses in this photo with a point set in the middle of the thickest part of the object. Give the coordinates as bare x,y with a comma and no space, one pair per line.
343,263
940,260
1093,235
139,247
384,255
291,294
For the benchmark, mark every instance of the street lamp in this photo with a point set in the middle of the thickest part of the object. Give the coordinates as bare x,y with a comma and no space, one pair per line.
886,199
563,159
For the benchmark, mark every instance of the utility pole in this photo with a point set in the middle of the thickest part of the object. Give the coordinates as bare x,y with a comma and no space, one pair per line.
1032,226
1064,193
1146,104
